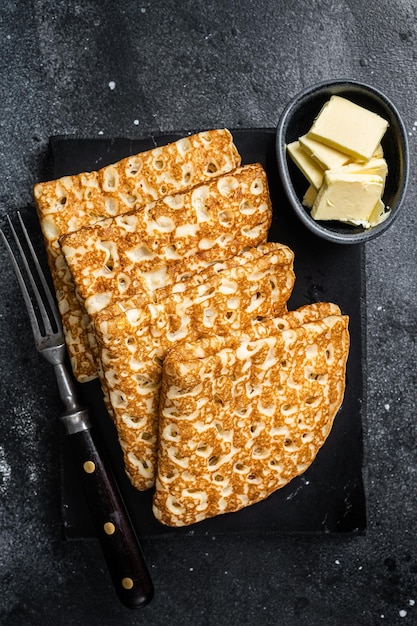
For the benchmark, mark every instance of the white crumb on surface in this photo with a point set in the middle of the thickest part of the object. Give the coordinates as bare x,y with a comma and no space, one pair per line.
5,471
112,85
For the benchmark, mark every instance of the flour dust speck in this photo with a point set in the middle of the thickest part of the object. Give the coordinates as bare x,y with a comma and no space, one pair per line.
5,471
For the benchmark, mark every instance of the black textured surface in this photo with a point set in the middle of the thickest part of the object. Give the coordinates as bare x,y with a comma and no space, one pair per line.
136,69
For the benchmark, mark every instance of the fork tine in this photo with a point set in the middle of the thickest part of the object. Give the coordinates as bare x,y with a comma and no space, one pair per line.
28,302
45,316
42,278
42,310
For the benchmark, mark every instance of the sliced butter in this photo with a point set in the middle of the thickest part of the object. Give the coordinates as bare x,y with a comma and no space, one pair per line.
326,157
379,214
379,152
310,196
349,198
349,128
376,167
306,164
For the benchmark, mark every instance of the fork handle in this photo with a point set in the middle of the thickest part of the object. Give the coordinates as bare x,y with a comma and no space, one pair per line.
114,529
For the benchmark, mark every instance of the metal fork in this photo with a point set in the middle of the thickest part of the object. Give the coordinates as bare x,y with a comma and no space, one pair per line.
114,529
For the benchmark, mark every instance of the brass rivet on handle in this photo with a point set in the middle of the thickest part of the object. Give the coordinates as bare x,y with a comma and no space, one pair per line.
109,528
127,583
89,467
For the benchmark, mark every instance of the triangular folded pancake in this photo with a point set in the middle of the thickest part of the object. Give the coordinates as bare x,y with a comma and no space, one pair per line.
198,269
71,202
224,299
115,258
240,418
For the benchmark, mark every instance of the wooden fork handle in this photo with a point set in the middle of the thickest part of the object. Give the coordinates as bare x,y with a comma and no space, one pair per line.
114,529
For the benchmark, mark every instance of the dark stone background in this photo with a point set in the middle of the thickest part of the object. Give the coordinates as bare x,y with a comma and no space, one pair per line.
189,66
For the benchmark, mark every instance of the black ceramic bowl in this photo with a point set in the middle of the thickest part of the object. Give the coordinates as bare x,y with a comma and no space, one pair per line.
297,119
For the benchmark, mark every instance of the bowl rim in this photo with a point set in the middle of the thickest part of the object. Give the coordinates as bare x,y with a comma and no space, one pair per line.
280,148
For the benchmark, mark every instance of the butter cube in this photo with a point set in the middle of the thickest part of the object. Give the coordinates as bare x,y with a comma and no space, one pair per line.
379,214
309,196
379,152
377,167
307,165
349,128
349,198
325,156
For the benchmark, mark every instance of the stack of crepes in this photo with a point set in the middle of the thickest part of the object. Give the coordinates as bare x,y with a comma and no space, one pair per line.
170,292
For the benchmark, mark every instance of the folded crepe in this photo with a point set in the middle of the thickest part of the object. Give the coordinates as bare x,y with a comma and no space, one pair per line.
240,418
114,258
134,336
72,202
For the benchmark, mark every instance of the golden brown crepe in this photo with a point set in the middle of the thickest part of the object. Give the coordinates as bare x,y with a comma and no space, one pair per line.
71,202
114,258
241,418
134,337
